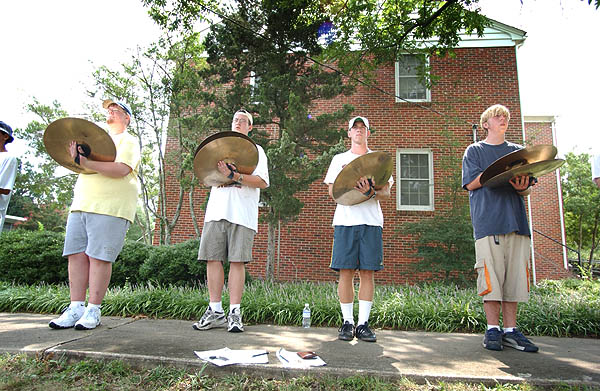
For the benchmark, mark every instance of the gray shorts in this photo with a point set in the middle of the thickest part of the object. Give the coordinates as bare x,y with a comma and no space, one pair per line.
98,236
225,241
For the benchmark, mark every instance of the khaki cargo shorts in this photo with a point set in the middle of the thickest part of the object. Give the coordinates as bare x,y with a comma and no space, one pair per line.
502,263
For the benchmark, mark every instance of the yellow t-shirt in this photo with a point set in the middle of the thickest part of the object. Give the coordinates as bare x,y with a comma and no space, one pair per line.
97,193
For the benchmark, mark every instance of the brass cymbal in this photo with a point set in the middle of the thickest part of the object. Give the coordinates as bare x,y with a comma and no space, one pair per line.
231,147
514,159
536,170
377,166
61,132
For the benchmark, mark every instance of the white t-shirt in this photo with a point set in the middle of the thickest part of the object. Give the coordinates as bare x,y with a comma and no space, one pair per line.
238,204
596,166
365,213
8,173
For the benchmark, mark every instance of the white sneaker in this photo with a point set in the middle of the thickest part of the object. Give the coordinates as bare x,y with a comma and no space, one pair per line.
234,320
69,317
89,320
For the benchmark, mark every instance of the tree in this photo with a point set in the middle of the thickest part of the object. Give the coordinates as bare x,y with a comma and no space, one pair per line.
581,199
161,83
271,53
444,242
40,194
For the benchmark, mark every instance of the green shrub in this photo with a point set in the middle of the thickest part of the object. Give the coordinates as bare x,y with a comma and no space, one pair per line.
126,268
175,264
29,257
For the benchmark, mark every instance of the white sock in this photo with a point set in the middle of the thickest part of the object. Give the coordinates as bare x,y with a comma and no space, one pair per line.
75,304
493,326
364,310
509,329
90,305
347,312
233,307
216,306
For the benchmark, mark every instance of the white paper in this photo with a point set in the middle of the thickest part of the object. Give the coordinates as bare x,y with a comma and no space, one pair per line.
226,356
292,360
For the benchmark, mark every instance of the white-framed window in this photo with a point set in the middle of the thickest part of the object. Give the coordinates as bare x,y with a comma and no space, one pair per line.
408,85
414,170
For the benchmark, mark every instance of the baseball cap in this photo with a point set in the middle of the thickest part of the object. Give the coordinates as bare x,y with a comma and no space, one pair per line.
122,105
8,130
359,118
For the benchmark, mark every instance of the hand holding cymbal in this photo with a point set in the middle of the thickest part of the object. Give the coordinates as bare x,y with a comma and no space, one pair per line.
374,168
91,141
222,153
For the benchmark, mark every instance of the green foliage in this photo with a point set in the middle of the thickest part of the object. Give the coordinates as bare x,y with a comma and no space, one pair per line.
444,242
126,268
175,264
383,30
39,194
30,257
565,308
581,198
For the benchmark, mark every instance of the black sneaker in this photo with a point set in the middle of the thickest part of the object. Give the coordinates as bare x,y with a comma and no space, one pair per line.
493,339
516,339
364,333
346,332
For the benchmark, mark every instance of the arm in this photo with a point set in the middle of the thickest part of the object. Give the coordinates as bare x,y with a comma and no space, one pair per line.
475,184
109,169
597,182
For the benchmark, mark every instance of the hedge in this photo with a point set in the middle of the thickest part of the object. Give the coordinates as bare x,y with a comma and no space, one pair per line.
32,257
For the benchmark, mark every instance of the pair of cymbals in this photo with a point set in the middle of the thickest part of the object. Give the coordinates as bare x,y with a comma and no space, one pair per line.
376,166
532,161
61,132
231,147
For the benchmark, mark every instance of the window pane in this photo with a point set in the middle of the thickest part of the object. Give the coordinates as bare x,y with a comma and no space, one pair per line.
410,88
414,179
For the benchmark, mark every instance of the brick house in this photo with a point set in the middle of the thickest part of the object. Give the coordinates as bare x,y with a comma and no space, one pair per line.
416,131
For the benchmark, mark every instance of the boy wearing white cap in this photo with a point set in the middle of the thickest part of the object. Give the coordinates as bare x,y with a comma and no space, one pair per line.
358,237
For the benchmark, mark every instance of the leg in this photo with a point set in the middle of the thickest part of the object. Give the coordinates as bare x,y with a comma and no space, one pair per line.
509,314
99,278
366,289
216,278
492,312
79,270
346,286
237,278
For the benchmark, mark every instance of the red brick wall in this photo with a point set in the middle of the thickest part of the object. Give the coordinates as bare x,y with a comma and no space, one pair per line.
470,82
545,209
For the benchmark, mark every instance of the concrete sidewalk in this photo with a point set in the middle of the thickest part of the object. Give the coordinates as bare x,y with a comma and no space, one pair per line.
419,356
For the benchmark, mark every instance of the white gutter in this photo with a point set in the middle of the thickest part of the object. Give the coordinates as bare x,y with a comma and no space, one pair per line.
529,212
560,205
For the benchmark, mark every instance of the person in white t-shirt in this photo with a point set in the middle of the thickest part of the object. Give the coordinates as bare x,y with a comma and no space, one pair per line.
230,223
358,237
596,169
8,170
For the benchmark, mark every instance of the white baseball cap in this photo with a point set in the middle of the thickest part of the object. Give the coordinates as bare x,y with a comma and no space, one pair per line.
353,120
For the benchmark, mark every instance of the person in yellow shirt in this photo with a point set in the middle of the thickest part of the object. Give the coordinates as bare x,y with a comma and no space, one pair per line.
104,206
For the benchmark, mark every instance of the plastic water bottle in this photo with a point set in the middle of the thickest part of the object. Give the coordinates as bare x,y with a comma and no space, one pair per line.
306,316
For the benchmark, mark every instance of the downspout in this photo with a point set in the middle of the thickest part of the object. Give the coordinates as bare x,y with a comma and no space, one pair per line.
529,212
560,205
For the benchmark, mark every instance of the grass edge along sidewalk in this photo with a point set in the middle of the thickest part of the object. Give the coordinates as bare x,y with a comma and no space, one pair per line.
564,308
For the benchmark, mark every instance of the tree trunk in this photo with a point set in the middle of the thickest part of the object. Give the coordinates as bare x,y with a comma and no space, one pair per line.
270,266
